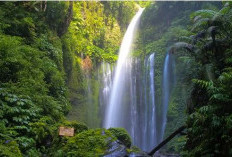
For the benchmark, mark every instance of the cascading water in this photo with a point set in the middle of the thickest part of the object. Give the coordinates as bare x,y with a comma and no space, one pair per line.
115,110
136,98
168,81
150,124
129,100
132,105
98,87
105,77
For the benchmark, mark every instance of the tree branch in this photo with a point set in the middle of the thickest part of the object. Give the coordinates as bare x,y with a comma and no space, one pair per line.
166,140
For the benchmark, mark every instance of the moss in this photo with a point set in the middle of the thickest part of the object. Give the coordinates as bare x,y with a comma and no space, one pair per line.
92,142
122,135
133,149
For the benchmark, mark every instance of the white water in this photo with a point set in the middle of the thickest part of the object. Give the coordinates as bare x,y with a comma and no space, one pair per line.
152,107
168,80
149,125
114,117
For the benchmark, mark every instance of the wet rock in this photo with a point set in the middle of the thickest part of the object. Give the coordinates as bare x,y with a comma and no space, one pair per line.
116,149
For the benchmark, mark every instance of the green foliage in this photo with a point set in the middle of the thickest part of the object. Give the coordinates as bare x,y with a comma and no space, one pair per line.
42,129
55,14
175,33
16,111
10,149
122,135
203,14
208,122
33,91
27,70
41,70
95,31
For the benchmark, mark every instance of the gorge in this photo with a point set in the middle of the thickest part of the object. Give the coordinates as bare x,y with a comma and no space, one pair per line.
121,78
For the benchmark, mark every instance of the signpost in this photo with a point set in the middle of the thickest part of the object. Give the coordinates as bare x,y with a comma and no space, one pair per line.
63,131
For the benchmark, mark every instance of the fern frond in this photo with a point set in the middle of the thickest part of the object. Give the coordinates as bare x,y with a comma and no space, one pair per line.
225,77
220,97
203,83
203,13
200,23
205,109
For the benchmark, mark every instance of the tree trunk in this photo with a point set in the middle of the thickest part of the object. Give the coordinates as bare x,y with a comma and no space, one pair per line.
166,140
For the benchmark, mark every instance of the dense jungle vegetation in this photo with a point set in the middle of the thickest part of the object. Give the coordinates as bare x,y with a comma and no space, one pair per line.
48,49
45,50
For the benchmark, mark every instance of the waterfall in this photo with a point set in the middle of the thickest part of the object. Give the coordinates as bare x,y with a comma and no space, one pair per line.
105,77
149,116
167,83
114,114
129,100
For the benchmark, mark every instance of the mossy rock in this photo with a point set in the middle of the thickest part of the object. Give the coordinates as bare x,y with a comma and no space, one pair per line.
93,142
122,135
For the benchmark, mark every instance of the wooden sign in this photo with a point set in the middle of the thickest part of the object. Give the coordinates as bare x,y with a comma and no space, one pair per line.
63,131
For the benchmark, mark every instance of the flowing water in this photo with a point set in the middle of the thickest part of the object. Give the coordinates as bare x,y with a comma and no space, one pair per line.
114,118
168,81
105,76
132,98
150,124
